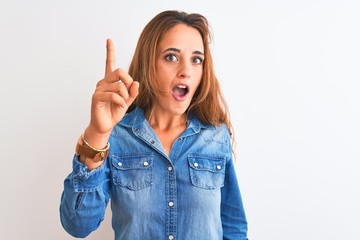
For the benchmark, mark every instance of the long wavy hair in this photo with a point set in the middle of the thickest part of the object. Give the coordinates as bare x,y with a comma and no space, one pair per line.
208,103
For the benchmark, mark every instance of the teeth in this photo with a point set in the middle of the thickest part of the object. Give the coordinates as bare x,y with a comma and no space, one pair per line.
181,86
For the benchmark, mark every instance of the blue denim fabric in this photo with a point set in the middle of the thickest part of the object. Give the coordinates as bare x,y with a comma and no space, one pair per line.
191,194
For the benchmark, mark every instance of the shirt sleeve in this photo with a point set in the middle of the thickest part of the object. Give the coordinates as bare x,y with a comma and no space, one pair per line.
233,217
84,199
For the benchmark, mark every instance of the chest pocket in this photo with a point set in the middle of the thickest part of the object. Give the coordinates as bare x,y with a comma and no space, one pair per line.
132,171
206,171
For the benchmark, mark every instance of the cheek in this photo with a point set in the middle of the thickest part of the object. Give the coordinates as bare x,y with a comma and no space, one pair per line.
163,75
198,77
195,87
164,72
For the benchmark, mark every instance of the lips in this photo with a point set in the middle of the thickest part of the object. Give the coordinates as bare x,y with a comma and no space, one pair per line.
180,91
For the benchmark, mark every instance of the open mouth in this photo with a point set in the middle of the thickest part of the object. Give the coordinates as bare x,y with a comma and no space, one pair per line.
180,91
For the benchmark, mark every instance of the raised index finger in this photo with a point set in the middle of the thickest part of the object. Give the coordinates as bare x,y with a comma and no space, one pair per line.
110,57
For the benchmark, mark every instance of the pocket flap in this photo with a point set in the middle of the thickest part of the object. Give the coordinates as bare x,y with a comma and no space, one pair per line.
207,162
136,161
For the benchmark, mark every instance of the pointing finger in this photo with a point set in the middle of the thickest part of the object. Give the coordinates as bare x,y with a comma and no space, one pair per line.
110,57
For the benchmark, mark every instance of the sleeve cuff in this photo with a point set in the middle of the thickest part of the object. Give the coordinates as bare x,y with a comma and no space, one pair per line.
88,181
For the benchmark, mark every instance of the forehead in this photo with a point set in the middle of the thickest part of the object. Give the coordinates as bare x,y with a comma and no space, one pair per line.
182,37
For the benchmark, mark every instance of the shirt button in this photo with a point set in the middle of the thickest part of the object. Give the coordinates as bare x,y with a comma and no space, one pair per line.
171,237
196,164
218,167
169,169
152,141
119,164
146,164
171,204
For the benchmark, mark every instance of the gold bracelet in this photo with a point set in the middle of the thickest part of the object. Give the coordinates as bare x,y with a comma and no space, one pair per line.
95,149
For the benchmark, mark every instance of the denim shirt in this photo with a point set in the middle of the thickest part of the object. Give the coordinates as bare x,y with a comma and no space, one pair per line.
191,194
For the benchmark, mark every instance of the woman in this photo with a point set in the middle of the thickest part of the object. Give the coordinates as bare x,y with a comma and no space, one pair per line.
158,143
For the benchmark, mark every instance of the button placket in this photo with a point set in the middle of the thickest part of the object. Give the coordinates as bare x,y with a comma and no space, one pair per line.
171,203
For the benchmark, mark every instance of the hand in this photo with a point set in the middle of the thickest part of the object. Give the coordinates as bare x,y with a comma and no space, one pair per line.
112,97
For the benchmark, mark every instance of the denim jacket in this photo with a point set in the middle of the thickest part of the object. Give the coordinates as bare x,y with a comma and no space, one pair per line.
191,194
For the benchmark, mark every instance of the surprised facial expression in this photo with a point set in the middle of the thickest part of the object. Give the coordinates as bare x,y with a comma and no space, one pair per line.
179,67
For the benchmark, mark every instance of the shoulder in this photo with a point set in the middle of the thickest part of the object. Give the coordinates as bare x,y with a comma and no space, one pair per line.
216,133
212,131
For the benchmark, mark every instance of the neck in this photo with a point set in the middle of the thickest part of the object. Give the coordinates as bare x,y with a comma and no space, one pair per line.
166,121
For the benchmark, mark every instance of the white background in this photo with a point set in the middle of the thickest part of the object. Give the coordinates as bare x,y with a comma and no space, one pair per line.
289,71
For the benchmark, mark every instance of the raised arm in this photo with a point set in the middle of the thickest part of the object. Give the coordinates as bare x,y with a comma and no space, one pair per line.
112,97
86,189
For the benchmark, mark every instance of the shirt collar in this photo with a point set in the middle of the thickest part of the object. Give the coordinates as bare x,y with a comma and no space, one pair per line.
136,118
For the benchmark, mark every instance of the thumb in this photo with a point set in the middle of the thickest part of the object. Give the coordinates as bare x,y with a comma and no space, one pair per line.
133,92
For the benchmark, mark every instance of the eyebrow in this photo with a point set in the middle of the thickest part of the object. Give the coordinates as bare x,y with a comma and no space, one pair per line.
178,51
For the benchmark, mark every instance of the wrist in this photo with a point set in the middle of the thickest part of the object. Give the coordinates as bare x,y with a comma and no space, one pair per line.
86,151
96,139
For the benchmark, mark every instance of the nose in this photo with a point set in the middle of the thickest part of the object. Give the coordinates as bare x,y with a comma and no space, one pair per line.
184,75
184,70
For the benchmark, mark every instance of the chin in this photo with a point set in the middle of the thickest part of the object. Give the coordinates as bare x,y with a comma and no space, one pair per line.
180,110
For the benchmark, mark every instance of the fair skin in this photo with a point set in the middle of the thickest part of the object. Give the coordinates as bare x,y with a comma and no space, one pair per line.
112,97
179,65
179,70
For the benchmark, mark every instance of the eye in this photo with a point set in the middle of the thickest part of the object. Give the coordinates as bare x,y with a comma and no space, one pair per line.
197,60
171,57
